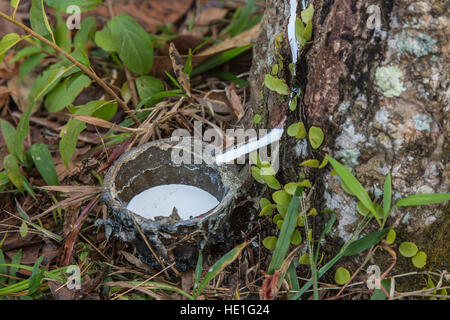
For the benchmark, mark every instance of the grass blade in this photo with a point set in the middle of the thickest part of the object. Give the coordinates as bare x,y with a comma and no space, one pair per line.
355,187
387,197
219,266
219,59
287,229
423,199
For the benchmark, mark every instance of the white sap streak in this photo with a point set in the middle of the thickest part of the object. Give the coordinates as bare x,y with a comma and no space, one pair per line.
190,201
275,134
291,32
230,155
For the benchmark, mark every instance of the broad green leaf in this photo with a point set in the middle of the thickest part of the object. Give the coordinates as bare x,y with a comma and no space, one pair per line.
365,242
342,276
276,84
13,171
66,92
315,137
270,243
9,134
62,5
378,294
44,163
133,44
281,197
408,249
287,229
221,264
104,40
420,259
354,186
22,132
296,238
69,137
390,238
312,163
423,199
282,210
387,196
29,64
69,134
62,34
26,52
148,86
272,182
50,81
307,14
38,20
7,42
81,37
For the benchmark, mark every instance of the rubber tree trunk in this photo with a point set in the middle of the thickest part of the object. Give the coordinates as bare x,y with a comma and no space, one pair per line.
378,86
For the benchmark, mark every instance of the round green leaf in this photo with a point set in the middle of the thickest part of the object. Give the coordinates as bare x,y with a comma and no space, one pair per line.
342,276
270,242
282,210
420,259
296,238
280,223
267,210
304,259
264,202
257,118
281,197
310,163
408,249
256,174
292,130
316,137
390,238
276,84
300,221
276,218
272,182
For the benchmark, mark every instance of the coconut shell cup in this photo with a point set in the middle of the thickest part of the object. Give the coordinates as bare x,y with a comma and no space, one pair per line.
169,238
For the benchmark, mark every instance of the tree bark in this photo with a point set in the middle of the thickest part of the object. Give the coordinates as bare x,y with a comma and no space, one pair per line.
381,96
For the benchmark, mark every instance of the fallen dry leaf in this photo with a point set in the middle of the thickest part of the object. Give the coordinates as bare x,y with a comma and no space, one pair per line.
149,14
178,68
210,16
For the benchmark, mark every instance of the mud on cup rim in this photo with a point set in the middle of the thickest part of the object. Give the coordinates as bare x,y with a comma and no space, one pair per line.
172,239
